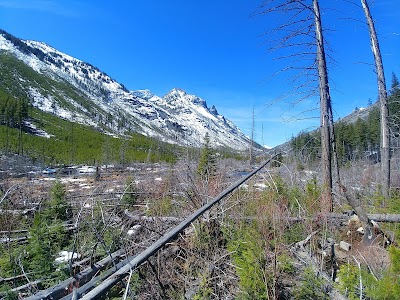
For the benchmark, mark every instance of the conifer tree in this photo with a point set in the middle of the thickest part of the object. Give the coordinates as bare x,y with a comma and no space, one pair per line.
40,248
206,166
395,87
58,209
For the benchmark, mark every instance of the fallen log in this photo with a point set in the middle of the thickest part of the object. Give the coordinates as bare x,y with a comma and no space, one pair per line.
65,287
22,287
81,262
8,232
18,212
8,279
389,218
24,238
19,239
83,289
386,218
138,218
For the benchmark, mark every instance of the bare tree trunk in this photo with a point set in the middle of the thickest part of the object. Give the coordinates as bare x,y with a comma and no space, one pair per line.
326,121
251,159
385,135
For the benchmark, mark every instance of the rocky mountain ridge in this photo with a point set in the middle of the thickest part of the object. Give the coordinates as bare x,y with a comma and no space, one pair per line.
72,89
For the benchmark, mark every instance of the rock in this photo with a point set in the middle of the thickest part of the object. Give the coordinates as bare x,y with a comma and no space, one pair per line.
134,230
354,218
344,246
360,230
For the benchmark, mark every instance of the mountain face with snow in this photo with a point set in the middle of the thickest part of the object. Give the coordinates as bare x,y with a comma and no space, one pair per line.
72,89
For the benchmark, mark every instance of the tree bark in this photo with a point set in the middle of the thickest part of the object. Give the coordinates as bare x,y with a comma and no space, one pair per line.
384,109
325,104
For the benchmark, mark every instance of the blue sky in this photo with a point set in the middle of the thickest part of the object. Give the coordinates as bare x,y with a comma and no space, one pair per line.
213,49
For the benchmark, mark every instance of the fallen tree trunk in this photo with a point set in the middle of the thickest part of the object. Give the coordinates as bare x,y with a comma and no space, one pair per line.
7,232
366,221
83,289
138,218
8,279
20,239
29,285
18,212
388,218
65,287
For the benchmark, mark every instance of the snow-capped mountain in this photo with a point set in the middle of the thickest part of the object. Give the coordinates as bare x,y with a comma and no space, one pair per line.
72,89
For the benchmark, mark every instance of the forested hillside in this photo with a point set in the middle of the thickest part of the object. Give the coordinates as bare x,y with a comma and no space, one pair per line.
50,140
67,87
355,139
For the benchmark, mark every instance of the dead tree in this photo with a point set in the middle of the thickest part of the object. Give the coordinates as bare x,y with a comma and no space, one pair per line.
326,108
300,32
384,108
251,159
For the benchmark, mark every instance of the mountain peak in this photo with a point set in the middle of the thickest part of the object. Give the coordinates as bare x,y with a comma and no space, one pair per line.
144,94
77,90
213,110
176,92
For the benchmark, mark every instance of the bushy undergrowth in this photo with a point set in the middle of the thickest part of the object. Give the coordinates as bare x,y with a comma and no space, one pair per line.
48,235
259,244
247,252
355,281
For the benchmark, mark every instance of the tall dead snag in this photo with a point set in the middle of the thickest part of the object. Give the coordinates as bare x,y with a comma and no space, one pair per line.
251,158
385,134
326,108
296,33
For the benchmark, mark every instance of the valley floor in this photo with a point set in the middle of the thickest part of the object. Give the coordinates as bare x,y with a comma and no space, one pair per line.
266,240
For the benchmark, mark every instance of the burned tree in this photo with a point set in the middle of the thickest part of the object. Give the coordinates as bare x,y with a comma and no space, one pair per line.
326,109
382,94
300,32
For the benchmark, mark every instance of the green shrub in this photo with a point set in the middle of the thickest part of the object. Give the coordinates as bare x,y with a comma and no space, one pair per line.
285,264
161,207
57,208
388,287
248,255
294,233
349,281
9,295
204,291
129,197
311,287
385,288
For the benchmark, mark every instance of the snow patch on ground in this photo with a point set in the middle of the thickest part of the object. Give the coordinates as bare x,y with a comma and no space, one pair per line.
86,169
65,256
260,186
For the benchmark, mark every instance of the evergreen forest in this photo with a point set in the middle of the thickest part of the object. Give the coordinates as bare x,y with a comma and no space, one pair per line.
357,139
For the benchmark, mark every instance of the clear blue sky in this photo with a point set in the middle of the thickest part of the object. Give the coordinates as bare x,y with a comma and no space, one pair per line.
210,48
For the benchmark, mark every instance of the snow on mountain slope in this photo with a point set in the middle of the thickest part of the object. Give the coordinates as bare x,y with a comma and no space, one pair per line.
80,92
